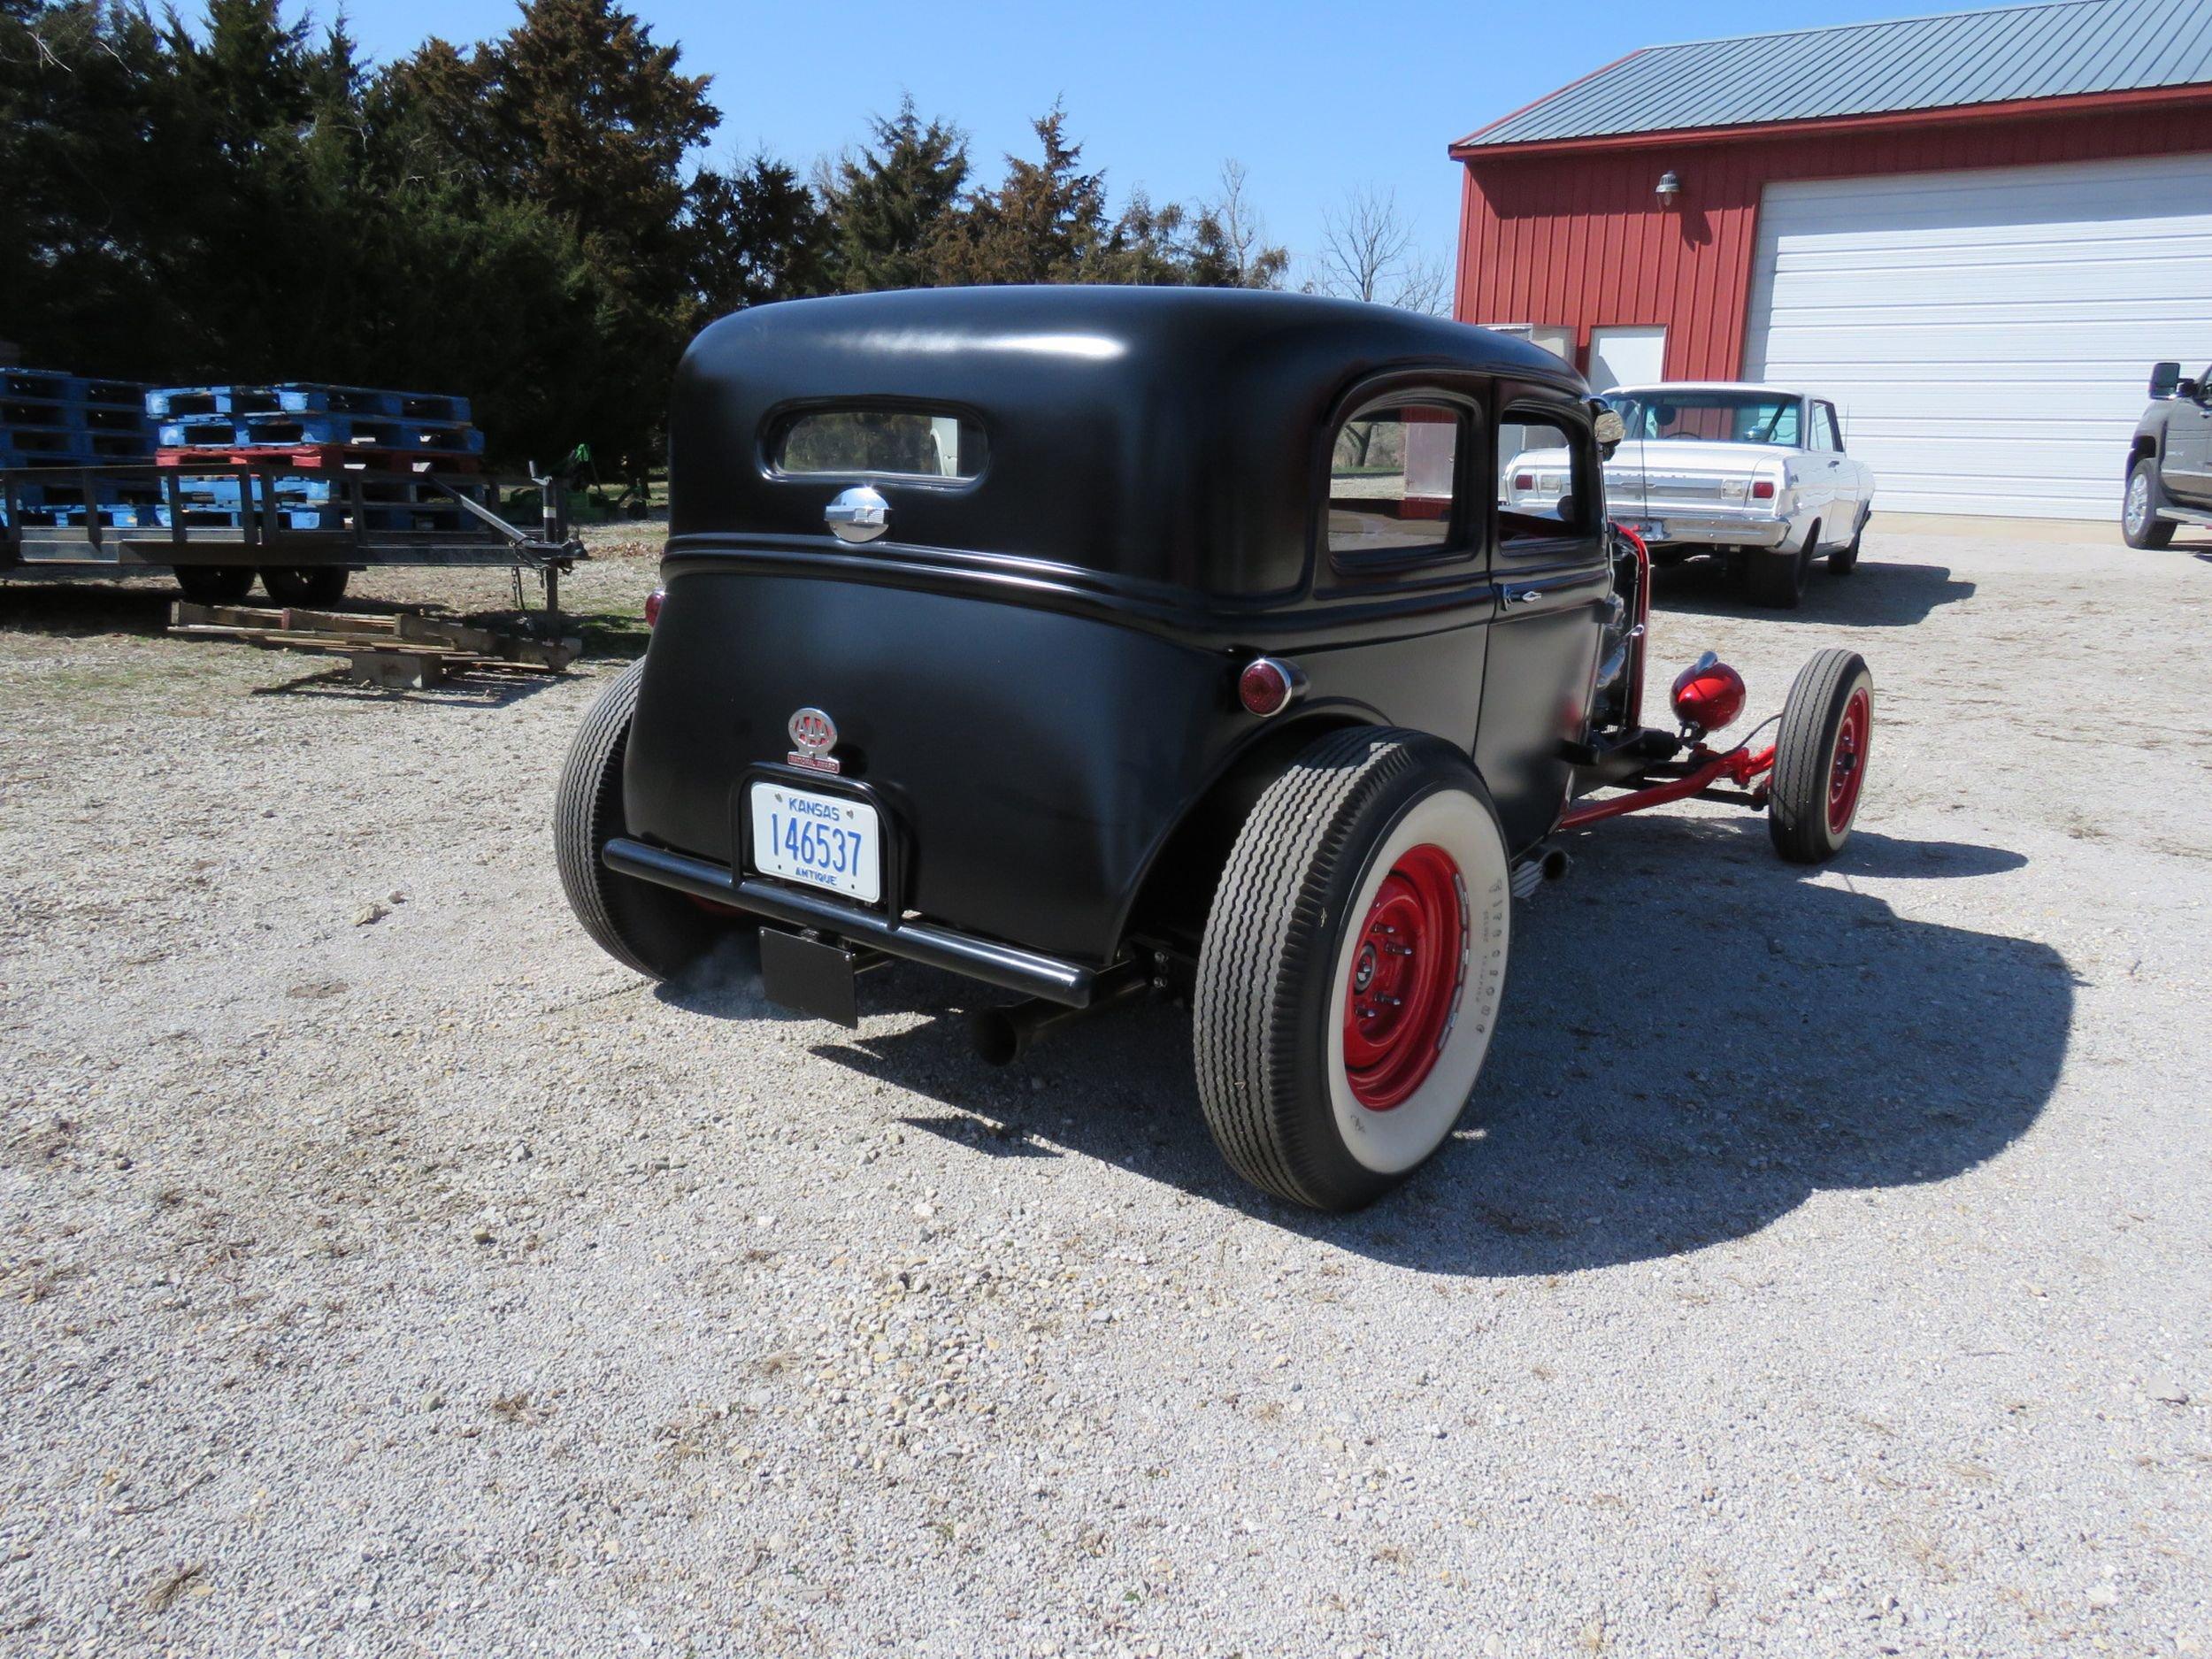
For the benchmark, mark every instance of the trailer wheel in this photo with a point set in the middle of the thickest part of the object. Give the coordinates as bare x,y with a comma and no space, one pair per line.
1820,756
1352,959
657,931
307,584
215,584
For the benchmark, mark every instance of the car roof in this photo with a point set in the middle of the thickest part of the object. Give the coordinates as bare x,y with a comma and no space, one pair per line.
1056,327
1171,435
1710,386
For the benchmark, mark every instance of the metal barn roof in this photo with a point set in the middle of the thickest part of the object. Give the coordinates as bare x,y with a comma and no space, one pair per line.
1931,63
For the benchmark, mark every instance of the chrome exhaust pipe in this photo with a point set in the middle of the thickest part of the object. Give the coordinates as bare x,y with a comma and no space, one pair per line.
1546,861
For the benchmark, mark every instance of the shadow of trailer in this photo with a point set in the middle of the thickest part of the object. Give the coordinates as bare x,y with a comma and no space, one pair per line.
309,524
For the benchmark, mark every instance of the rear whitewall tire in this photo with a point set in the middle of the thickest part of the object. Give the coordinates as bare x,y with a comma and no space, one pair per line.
1296,906
1395,1142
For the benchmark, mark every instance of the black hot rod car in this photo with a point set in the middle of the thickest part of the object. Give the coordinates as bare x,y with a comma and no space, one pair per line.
1096,642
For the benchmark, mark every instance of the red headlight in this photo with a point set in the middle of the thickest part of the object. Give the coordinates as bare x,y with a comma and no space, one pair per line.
1266,687
1762,489
653,605
1708,694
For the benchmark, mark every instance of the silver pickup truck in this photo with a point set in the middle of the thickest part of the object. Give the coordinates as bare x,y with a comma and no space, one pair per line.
1756,474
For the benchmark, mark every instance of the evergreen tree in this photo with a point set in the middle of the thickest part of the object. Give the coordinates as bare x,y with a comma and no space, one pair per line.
1046,223
516,220
755,235
890,201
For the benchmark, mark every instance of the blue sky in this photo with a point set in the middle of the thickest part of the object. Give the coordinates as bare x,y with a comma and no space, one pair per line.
1315,99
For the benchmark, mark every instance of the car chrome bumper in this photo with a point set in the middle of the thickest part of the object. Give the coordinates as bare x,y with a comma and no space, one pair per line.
1704,525
1007,966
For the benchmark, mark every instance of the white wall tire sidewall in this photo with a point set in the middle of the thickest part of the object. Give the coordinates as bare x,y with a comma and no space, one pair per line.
1392,1142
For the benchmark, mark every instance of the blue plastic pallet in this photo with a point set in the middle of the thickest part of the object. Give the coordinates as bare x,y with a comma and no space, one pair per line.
30,445
48,412
289,429
386,490
113,515
305,397
72,493
50,385
325,517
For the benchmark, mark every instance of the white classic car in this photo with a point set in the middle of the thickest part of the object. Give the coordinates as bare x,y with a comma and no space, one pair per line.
1755,473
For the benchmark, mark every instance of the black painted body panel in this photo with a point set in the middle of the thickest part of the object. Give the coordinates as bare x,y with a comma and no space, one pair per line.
1035,670
1033,760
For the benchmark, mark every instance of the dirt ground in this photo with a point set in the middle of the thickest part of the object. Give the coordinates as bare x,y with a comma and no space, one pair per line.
1822,1266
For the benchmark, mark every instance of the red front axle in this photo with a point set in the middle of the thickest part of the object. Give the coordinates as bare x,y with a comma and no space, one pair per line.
1739,765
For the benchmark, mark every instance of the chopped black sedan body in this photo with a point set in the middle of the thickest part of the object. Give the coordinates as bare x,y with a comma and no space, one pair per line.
1094,640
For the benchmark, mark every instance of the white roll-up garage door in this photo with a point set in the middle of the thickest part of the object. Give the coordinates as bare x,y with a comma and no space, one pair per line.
1986,333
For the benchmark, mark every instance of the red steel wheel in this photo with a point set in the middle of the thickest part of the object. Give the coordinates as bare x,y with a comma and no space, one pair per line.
1847,768
1353,965
1406,978
1820,758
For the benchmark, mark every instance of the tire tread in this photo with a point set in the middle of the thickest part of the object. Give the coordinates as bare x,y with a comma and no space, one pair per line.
1797,796
1268,911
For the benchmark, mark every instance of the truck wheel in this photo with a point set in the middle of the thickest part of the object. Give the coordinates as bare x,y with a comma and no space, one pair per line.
1778,578
1349,976
2140,523
215,584
1844,560
1820,756
306,585
657,931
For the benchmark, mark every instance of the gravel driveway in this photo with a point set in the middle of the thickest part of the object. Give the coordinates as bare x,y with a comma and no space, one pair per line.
1824,1265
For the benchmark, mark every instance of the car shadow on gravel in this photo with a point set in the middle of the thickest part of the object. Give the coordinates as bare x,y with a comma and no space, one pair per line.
1696,1037
1877,595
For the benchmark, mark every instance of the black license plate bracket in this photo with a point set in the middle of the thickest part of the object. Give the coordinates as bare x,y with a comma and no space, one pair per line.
810,975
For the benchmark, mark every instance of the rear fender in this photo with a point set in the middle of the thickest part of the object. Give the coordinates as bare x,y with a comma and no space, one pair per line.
1175,889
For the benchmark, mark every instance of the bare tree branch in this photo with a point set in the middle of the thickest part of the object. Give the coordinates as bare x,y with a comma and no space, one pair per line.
1367,253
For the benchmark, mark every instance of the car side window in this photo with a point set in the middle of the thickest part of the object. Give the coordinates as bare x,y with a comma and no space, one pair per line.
1544,483
1824,433
1393,482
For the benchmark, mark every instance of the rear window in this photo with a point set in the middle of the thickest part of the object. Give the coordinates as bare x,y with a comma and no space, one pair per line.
1714,417
895,442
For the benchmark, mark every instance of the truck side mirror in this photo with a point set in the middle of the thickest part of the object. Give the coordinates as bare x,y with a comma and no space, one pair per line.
2165,380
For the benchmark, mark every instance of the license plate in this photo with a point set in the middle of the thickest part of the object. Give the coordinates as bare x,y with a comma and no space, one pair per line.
822,840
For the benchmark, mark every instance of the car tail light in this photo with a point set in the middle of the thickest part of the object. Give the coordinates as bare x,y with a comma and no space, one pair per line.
653,605
1267,687
1762,489
1524,481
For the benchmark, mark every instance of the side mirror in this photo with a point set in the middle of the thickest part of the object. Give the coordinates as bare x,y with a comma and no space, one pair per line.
2165,380
1608,428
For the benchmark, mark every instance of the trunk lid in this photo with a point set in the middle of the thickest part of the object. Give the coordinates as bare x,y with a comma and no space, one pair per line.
1684,474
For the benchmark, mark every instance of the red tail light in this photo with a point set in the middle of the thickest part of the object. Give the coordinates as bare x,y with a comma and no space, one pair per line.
1762,489
1267,686
653,605
1524,481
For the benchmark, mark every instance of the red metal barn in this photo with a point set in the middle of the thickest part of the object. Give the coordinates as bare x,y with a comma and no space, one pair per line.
1974,232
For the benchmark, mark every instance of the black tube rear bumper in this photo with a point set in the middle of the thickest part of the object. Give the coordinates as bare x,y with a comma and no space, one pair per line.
1006,966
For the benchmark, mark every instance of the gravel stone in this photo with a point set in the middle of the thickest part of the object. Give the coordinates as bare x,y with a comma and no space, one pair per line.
1820,1267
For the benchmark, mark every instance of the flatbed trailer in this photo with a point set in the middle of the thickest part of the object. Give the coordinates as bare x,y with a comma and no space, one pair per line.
263,535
